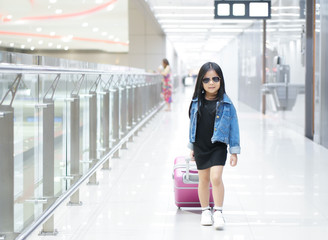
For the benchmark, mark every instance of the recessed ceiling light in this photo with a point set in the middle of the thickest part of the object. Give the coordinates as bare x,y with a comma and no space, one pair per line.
110,7
11,44
29,40
40,42
32,48
52,33
59,11
290,30
67,38
179,30
66,48
95,29
52,1
162,15
9,17
58,46
110,37
22,46
104,33
236,30
38,29
183,8
50,44
98,1
85,24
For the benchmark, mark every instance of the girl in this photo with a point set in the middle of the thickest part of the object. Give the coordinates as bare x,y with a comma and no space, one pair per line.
213,126
167,85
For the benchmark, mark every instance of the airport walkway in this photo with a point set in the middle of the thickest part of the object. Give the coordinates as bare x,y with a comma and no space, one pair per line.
277,191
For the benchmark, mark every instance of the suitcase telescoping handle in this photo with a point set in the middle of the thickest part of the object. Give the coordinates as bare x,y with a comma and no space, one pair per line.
187,167
191,176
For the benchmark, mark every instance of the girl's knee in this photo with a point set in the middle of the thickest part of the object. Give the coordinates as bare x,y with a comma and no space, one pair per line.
216,180
204,181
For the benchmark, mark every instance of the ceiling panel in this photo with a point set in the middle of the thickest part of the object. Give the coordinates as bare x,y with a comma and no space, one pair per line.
64,24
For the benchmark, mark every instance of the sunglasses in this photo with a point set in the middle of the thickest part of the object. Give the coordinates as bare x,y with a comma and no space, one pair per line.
214,79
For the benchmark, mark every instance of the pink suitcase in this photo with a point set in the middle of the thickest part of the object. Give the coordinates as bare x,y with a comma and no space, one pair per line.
185,177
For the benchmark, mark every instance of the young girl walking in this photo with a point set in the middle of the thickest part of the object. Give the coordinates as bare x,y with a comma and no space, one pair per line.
167,84
213,127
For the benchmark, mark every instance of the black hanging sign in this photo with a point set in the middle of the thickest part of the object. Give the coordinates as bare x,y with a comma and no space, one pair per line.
242,9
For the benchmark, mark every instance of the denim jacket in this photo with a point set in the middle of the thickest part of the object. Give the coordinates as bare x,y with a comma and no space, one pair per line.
226,127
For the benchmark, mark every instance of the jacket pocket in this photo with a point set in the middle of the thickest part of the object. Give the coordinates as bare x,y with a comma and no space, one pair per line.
224,126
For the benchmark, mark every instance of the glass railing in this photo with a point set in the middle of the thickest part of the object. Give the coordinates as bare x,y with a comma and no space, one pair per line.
58,126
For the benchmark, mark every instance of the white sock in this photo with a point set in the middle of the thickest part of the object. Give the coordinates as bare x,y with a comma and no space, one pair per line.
206,208
217,208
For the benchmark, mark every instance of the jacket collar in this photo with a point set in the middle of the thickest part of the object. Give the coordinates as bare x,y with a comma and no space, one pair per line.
225,99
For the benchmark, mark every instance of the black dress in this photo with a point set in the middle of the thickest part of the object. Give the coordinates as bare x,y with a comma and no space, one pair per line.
208,154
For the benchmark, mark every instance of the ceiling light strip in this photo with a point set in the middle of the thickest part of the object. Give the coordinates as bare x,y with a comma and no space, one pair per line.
193,15
100,40
28,34
50,17
60,37
182,8
216,21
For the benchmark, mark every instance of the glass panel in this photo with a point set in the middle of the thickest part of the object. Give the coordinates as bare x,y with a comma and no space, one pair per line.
26,150
322,52
84,118
60,133
285,70
317,89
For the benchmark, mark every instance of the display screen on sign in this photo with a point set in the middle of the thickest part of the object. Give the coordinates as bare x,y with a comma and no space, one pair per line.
240,9
258,9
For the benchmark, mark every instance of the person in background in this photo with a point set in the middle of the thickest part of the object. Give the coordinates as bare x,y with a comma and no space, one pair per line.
213,126
167,84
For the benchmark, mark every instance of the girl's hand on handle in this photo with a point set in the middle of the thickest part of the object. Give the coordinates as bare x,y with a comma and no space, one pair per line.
192,157
233,160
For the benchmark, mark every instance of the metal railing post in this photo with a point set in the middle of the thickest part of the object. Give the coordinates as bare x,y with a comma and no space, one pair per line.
75,146
93,135
143,100
105,120
93,156
123,112
48,163
130,124
6,170
115,120
136,106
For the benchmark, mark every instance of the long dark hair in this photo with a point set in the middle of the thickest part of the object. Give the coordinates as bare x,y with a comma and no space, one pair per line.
199,90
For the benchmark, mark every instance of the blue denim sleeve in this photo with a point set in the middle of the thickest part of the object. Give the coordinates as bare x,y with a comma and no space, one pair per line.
234,140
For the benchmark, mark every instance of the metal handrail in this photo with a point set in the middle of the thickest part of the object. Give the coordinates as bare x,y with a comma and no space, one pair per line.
48,213
36,69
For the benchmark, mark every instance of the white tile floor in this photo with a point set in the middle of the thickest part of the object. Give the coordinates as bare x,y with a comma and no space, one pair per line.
277,191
